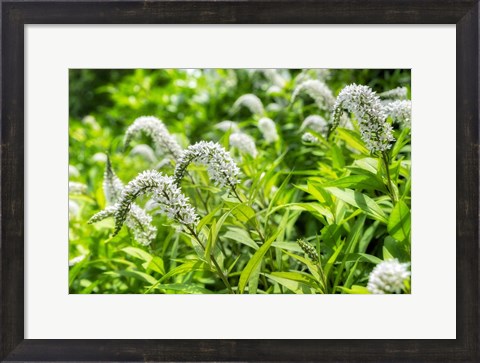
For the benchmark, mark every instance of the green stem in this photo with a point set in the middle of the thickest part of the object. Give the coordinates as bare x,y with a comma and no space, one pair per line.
235,192
389,179
217,266
198,193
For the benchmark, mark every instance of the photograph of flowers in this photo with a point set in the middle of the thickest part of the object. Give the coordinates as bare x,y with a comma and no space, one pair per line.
239,181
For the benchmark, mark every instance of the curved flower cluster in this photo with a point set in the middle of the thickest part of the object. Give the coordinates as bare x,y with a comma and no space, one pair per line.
145,152
165,193
399,93
112,185
275,77
220,165
315,123
388,277
400,112
141,224
268,129
227,125
307,74
308,138
73,172
251,102
137,219
376,132
76,188
309,250
155,129
321,94
73,209
244,143
76,260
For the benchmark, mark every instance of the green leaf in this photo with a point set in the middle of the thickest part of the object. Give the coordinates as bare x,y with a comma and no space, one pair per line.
353,140
361,201
295,281
289,246
189,266
399,223
331,261
354,290
134,274
241,236
253,283
138,253
243,212
255,261
357,182
156,264
369,258
386,254
205,220
337,157
307,262
184,288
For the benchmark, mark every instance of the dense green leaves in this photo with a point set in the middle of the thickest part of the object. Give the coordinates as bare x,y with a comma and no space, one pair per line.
326,189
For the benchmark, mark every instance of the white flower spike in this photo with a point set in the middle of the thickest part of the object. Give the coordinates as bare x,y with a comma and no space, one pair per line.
315,123
155,129
136,219
321,94
308,138
251,102
227,125
399,93
244,143
268,129
388,277
220,165
376,132
171,201
400,112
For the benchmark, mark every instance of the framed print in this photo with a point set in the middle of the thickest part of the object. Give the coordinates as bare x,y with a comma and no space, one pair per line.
246,181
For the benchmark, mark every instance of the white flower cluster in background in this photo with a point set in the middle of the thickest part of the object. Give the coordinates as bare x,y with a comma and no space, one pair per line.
76,188
144,151
275,77
227,125
375,131
73,172
220,165
388,277
268,129
244,143
319,91
400,111
251,102
307,74
155,129
73,209
308,138
315,123
76,260
399,93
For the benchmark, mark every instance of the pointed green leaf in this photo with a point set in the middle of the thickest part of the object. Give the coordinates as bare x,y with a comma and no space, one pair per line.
361,201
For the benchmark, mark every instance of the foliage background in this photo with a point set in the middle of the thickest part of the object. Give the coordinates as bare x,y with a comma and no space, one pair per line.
103,103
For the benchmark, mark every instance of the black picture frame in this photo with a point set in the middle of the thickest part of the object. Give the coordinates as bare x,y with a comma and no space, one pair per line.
15,14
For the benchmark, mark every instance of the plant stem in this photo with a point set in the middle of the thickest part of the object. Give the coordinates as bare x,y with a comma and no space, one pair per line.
389,179
217,266
236,194
198,193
